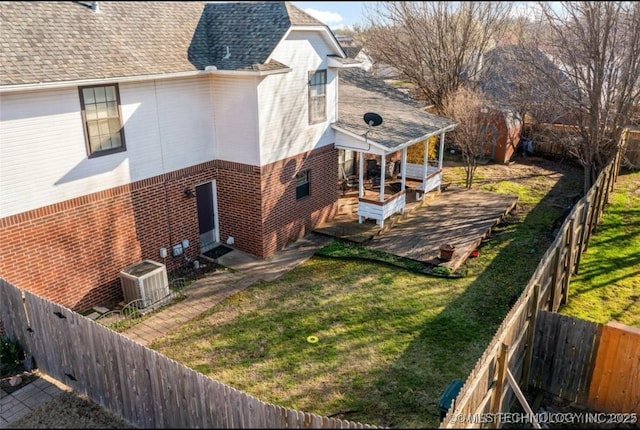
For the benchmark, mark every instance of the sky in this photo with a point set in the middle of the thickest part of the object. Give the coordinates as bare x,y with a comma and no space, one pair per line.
335,14
341,14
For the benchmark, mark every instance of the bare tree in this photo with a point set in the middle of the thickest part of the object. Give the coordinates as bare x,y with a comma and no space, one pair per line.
435,45
595,47
472,136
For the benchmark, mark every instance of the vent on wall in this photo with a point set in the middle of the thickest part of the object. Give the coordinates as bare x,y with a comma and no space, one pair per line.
145,282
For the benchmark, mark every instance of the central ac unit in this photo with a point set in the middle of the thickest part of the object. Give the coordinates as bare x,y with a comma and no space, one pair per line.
146,282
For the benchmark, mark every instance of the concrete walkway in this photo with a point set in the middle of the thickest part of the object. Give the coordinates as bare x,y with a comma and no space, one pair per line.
204,293
21,402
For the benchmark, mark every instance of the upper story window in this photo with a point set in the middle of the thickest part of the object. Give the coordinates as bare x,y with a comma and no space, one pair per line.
101,115
317,96
302,184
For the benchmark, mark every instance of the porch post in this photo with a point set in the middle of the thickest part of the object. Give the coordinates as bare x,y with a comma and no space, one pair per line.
425,163
360,174
440,158
382,172
441,152
403,168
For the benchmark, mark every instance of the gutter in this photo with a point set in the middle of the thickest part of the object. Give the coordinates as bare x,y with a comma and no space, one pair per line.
97,81
209,70
213,70
388,150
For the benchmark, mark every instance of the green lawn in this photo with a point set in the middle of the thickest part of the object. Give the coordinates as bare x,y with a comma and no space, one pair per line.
389,340
607,286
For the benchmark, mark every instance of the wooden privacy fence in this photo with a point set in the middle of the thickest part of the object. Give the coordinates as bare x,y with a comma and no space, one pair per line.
491,385
588,363
144,387
564,353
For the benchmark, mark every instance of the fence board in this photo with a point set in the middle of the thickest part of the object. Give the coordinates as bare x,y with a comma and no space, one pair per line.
95,356
616,375
13,314
156,416
564,352
84,368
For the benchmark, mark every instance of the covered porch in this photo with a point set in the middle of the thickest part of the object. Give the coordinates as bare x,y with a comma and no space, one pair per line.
379,124
383,183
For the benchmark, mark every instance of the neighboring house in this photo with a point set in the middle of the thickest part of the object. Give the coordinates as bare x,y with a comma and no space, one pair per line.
359,54
517,82
128,129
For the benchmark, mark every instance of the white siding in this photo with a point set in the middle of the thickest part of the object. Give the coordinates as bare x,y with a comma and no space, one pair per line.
236,118
283,99
168,125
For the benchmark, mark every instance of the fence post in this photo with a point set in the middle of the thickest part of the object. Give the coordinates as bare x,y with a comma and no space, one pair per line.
586,234
602,196
501,375
531,326
554,280
583,217
569,267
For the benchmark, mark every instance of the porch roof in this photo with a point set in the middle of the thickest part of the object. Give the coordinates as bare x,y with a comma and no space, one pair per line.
403,122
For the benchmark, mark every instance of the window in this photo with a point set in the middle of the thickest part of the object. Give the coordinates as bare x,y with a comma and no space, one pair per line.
302,184
317,96
101,116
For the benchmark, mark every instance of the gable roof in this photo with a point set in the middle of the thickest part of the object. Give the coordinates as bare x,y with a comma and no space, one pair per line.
48,41
242,35
509,67
403,122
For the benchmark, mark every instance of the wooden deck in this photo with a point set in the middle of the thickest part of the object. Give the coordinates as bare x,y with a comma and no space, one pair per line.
457,216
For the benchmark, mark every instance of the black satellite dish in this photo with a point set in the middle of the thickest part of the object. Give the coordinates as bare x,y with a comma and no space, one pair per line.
372,119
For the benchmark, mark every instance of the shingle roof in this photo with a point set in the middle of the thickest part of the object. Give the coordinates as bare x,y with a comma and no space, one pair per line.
402,120
299,17
352,51
51,41
61,41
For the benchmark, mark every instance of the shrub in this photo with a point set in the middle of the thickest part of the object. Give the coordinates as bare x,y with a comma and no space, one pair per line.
9,355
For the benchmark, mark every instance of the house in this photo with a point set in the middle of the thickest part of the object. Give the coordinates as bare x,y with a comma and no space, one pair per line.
516,80
158,130
355,51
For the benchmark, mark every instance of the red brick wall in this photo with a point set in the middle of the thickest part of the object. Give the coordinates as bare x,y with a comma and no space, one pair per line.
239,206
72,252
258,206
286,219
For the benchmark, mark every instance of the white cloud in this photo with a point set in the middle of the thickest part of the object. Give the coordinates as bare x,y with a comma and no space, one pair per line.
329,18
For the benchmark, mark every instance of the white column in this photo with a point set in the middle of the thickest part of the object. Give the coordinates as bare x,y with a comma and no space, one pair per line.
425,163
441,152
440,158
403,168
360,174
382,172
